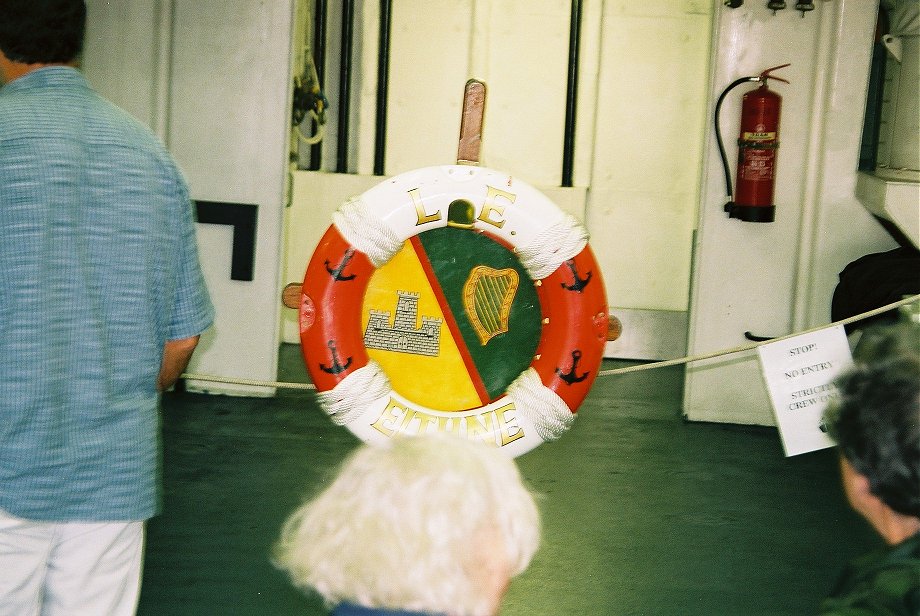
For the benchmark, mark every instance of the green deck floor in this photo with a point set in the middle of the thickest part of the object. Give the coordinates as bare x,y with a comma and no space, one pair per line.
644,513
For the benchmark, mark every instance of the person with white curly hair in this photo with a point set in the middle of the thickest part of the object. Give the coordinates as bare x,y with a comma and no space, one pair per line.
433,525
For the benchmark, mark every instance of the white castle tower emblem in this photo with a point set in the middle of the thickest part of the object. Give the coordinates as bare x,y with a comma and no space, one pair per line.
403,336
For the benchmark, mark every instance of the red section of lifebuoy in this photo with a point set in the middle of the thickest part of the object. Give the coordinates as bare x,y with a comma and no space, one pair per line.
335,282
574,333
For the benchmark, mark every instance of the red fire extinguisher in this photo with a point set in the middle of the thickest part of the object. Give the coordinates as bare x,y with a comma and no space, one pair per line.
757,146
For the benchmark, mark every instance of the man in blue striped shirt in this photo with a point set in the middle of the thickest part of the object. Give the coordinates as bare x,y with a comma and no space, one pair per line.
102,301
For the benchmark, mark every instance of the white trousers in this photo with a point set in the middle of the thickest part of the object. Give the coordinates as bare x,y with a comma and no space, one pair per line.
69,568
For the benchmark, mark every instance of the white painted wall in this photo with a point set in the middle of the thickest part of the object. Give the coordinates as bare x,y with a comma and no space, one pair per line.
639,137
776,278
122,47
213,78
651,118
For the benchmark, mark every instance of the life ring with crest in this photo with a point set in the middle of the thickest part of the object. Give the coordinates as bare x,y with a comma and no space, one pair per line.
456,299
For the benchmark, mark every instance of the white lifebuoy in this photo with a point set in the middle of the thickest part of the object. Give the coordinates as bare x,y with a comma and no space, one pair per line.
551,249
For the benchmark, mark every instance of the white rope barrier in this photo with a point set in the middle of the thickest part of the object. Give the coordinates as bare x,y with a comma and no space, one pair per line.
754,345
616,371
232,380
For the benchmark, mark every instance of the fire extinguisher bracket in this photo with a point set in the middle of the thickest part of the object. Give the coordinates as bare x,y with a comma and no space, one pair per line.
758,145
751,213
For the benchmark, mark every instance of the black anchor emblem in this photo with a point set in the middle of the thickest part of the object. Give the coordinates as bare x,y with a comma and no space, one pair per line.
570,377
337,272
336,366
580,283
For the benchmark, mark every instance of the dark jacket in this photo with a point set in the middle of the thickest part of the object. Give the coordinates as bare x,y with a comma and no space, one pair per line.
349,609
885,582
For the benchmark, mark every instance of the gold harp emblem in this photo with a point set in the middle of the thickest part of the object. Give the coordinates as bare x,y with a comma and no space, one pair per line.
487,297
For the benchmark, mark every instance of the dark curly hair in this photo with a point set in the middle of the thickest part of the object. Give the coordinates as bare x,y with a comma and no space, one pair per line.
42,31
876,419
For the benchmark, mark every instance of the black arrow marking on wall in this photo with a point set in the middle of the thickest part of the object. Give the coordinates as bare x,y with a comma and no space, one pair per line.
242,217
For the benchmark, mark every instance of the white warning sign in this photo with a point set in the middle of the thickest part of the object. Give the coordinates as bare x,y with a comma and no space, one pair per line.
799,373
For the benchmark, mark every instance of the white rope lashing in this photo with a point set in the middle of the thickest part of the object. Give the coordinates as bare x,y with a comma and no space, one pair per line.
549,413
317,137
353,395
553,246
366,232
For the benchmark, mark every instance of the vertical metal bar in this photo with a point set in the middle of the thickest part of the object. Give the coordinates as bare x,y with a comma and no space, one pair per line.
571,95
868,150
383,84
348,27
319,59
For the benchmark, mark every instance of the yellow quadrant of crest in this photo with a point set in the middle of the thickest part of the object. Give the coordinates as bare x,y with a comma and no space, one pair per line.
440,382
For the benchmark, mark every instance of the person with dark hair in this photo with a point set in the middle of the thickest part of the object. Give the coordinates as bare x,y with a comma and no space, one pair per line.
102,302
876,424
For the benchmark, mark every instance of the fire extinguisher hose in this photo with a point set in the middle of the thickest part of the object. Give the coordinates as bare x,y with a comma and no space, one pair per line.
728,176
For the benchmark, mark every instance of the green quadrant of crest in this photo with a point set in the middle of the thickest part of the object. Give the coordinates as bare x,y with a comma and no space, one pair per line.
452,254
